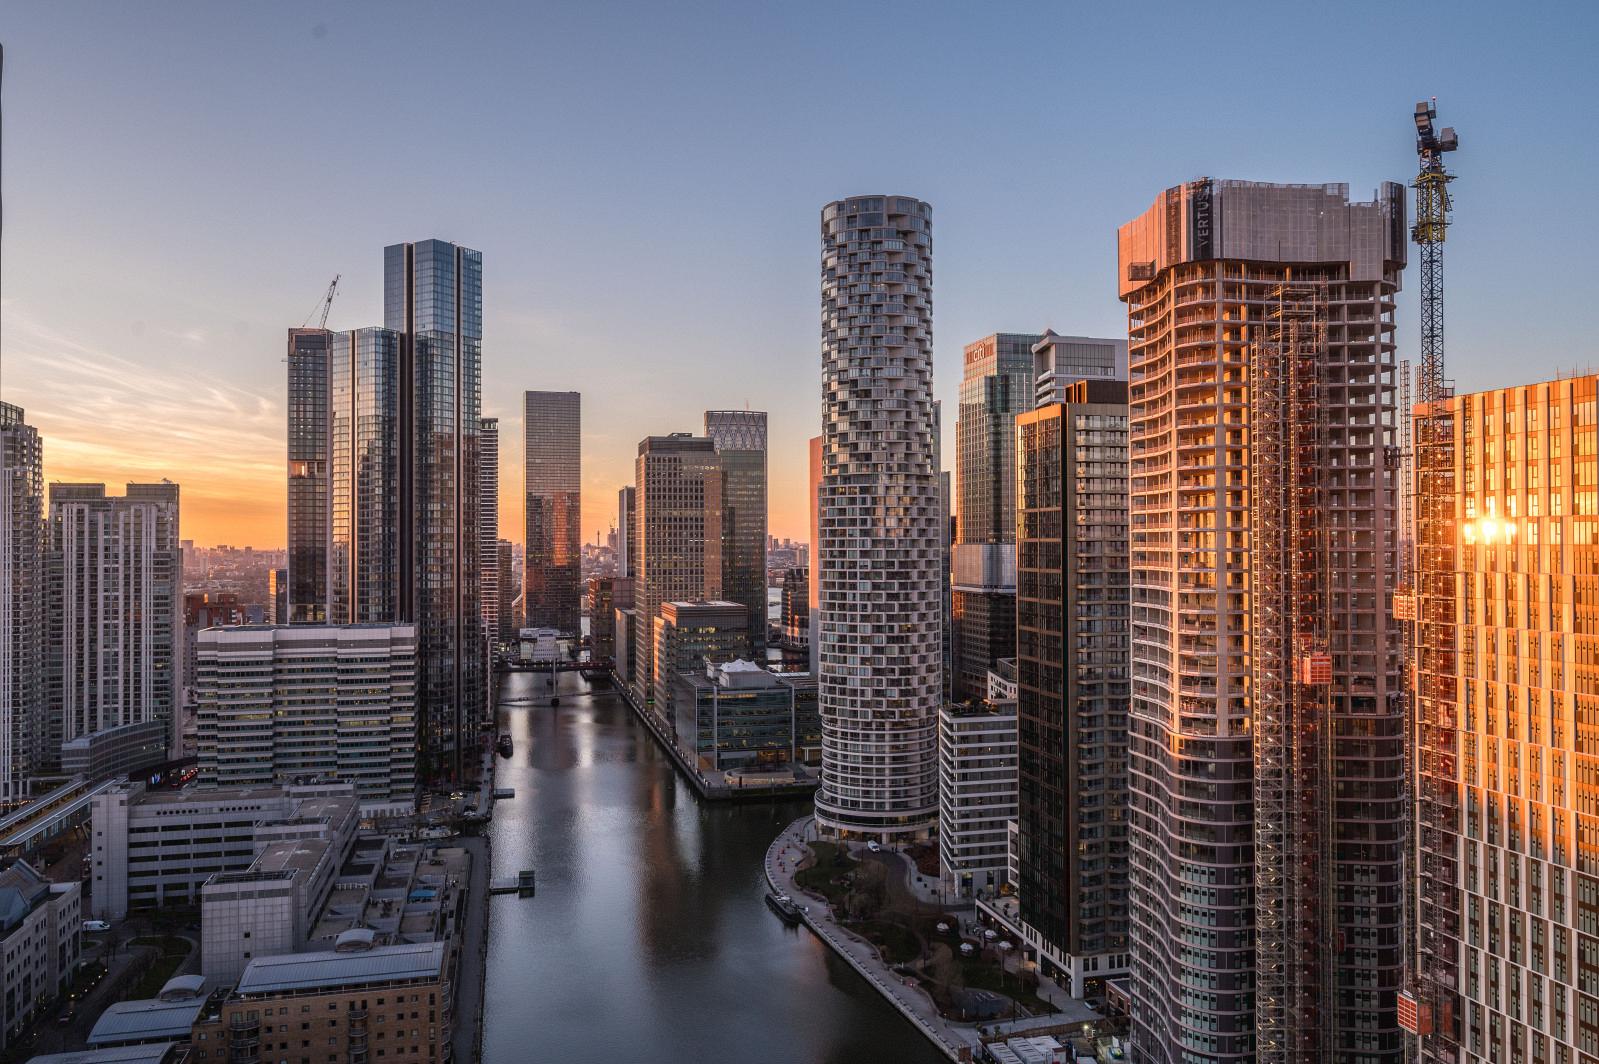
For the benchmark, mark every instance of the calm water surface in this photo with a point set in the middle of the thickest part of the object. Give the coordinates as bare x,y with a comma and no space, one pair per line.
649,940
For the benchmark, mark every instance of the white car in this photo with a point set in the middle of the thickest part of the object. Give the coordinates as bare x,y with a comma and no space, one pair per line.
93,926
874,846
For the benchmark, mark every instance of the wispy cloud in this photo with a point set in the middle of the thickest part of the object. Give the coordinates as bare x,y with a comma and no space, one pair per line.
108,418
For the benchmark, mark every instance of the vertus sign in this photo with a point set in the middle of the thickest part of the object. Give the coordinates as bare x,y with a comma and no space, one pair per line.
1201,221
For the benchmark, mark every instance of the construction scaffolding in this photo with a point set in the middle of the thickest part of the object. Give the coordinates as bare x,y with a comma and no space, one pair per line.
1291,677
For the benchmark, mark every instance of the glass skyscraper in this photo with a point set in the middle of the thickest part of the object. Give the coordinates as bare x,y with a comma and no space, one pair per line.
553,575
433,298
384,464
740,439
310,475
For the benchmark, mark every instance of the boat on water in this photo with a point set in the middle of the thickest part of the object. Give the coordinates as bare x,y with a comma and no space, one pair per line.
784,907
504,745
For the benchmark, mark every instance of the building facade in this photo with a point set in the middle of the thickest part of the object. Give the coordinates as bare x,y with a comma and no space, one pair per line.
402,429
282,704
1061,361
115,610
23,596
151,848
880,545
553,575
737,715
1071,680
332,997
976,793
678,523
687,636
740,440
602,623
796,610
505,574
1267,724
41,941
433,297
996,386
310,473
1508,882
488,509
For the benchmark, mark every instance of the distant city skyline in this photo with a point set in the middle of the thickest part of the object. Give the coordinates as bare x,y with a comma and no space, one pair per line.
146,302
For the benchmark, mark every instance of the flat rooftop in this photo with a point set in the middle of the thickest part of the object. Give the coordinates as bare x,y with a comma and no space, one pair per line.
294,972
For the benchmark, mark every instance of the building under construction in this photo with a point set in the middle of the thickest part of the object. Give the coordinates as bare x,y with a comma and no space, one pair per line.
1267,719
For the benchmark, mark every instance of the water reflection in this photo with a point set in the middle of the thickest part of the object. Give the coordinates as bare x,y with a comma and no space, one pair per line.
648,939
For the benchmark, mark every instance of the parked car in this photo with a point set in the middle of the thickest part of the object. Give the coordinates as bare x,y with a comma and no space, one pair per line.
96,926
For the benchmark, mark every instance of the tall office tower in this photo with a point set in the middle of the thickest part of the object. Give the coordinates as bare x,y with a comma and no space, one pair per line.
554,572
1507,882
23,589
679,525
505,575
998,384
433,300
115,608
1072,680
368,510
1061,361
488,525
740,439
310,495
1267,731
880,546
278,705
813,590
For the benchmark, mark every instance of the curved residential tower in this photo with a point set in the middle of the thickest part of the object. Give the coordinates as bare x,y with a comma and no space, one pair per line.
880,545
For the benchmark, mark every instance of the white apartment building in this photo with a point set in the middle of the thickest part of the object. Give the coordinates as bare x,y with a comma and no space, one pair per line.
115,608
977,794
40,943
280,705
151,848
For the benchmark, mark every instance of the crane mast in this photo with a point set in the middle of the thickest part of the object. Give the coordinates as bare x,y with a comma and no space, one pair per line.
1427,1007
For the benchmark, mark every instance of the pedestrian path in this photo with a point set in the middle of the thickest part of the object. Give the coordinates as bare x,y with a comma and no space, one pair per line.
782,861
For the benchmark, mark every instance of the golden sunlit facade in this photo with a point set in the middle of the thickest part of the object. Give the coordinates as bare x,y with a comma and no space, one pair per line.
1527,609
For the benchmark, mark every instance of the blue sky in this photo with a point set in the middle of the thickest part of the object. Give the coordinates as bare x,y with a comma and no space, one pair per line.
182,180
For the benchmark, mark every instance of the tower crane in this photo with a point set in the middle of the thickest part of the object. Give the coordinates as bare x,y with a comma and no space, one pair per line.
326,304
1432,223
1427,1007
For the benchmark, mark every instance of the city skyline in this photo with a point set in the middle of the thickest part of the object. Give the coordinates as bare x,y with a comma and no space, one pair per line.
194,338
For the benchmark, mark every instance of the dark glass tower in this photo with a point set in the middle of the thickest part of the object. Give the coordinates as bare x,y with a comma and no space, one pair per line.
310,475
554,462
740,439
433,298
1072,680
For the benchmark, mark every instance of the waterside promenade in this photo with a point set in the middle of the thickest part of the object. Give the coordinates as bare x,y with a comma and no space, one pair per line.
957,1041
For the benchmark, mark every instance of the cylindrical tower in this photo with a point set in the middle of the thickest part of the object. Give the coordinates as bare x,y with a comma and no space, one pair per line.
880,545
